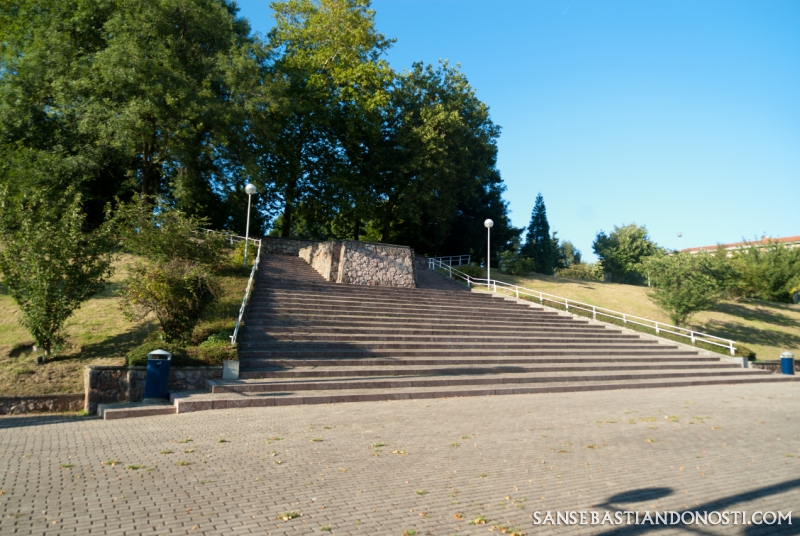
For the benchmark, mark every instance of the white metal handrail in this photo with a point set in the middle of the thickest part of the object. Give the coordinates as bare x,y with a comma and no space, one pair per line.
454,260
246,298
659,327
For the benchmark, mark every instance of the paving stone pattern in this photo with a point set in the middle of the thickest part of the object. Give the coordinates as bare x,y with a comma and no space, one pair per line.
428,466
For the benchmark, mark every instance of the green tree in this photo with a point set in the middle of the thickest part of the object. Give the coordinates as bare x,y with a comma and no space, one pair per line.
567,254
328,64
48,262
685,284
766,271
118,97
538,243
623,251
176,282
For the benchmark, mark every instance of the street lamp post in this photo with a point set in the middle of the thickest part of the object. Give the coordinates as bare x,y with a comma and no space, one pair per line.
250,189
488,223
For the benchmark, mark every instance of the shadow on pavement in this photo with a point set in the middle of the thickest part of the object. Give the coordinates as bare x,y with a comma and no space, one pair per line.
724,503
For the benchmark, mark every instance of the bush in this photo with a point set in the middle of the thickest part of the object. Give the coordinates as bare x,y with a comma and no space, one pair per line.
217,348
471,270
589,272
177,292
138,356
514,264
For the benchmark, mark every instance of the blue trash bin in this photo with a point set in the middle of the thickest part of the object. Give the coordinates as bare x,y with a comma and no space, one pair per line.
787,363
157,381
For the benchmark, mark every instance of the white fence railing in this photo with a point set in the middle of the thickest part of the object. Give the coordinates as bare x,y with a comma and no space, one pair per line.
598,313
247,292
455,260
236,238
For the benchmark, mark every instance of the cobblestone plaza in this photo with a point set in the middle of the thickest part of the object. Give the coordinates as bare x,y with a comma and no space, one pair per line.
441,466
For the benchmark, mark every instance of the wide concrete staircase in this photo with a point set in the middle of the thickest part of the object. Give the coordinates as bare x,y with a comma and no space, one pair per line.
307,341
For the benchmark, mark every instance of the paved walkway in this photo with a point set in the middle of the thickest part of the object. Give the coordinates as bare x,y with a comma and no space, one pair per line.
420,466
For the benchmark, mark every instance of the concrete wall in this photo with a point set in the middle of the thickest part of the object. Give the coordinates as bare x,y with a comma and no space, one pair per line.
324,258
126,384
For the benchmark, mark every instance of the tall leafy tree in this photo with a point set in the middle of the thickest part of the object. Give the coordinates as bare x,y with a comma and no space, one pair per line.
623,250
539,244
329,60
119,97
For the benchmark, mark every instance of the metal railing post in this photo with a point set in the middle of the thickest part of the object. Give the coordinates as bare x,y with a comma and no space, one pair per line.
691,334
594,313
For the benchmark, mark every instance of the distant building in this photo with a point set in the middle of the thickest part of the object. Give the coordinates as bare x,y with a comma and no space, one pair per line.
788,241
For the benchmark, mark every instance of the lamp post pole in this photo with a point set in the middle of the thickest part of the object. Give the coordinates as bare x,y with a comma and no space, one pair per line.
250,189
488,223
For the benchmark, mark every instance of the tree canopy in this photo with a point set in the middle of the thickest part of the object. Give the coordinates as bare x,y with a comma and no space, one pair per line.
623,250
539,244
179,100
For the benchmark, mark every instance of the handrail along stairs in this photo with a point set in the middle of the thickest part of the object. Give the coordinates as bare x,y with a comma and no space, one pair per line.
492,284
247,291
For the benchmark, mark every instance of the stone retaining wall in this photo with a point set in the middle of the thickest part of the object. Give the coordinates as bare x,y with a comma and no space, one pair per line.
15,405
382,265
774,366
285,246
126,384
362,263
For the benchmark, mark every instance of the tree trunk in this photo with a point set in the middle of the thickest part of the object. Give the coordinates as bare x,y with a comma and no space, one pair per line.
386,222
288,210
357,230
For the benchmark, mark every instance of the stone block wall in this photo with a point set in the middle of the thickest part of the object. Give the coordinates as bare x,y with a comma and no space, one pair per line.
285,246
774,365
16,405
420,263
382,265
126,384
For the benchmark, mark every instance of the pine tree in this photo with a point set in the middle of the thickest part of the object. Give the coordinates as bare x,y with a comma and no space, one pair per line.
538,244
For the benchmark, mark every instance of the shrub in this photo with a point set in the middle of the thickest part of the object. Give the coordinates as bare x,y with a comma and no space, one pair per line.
177,292
589,272
513,264
471,270
217,349
138,356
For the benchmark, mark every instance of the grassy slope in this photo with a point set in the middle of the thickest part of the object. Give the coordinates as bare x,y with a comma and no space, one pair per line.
97,334
767,328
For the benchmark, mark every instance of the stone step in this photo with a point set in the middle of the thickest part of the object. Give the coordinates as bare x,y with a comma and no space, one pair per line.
126,410
250,363
435,380
306,371
252,355
342,324
189,401
411,312
297,336
455,345
477,323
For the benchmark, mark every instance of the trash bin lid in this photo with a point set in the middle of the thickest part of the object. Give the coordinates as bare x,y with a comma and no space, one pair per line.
787,355
159,354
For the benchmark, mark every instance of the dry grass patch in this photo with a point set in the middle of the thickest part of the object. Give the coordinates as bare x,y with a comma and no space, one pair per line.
97,334
768,328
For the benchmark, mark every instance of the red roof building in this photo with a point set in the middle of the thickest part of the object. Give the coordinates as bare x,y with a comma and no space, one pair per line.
788,241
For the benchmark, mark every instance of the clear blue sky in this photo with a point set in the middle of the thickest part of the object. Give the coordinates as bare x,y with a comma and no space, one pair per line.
677,114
